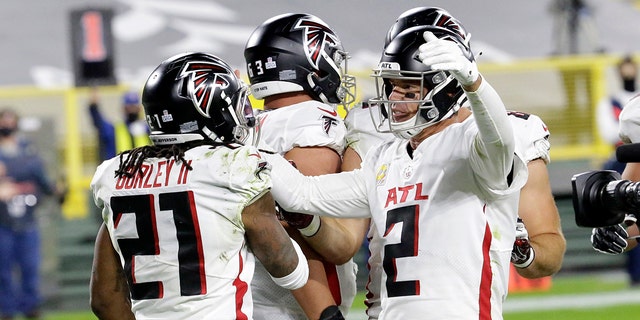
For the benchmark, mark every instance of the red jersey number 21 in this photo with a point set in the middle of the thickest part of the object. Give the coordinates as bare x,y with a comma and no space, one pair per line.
190,257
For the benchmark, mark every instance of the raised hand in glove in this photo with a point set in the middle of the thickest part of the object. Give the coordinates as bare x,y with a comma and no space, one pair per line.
522,254
448,55
612,239
307,224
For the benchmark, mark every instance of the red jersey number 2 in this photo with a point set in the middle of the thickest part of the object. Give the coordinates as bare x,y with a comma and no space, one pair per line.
408,247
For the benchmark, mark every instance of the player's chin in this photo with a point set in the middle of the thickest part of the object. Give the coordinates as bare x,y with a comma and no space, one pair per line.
400,117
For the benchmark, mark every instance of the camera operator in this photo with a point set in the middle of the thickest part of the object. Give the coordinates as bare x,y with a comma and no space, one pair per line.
622,237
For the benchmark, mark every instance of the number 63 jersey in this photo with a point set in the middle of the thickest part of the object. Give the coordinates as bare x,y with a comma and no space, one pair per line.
179,232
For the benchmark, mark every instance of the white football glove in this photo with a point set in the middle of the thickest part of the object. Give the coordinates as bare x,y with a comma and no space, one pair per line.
522,254
447,55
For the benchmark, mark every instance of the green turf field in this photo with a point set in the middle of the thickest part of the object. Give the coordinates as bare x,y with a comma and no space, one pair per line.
582,290
577,289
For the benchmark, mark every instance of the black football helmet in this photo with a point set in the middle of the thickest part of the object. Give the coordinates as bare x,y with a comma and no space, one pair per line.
427,16
441,95
298,52
197,96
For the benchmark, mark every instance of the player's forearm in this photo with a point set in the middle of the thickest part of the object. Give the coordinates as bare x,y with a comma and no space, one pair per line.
109,291
106,311
549,252
491,116
110,301
334,241
337,195
495,130
315,295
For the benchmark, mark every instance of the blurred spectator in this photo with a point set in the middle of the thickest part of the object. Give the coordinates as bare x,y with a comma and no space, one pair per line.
610,107
23,180
123,135
574,27
574,33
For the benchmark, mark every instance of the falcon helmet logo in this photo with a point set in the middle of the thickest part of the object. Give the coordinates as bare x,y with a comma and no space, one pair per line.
202,83
451,24
316,37
448,22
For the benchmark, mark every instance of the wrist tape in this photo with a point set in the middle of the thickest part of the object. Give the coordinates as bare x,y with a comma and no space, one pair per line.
298,277
312,228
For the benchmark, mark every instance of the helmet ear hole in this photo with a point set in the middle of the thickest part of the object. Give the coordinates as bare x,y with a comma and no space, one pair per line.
183,88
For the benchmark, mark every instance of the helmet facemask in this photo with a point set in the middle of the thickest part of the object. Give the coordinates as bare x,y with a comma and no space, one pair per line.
325,86
440,96
347,90
246,124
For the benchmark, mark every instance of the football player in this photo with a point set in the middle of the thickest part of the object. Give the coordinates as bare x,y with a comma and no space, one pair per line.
185,218
532,140
297,64
539,249
447,171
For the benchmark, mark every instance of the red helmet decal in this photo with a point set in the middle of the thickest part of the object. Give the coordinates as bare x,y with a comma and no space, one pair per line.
315,37
448,22
203,80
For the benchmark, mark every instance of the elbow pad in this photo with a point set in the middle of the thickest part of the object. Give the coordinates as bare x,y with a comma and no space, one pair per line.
298,277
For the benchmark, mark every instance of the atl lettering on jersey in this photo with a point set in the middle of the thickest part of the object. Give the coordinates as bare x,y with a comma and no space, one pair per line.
404,193
155,176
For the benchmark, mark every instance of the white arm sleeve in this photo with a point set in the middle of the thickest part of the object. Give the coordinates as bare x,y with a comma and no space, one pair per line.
495,144
299,276
340,195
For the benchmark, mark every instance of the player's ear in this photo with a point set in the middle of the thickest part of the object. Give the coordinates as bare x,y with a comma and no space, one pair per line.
237,72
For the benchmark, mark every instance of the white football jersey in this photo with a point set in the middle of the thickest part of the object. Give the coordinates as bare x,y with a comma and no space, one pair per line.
179,232
532,141
532,136
630,121
446,235
361,131
362,136
306,124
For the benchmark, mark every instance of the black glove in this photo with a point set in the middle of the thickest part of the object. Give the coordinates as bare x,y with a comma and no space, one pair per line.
522,254
331,313
612,239
307,224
